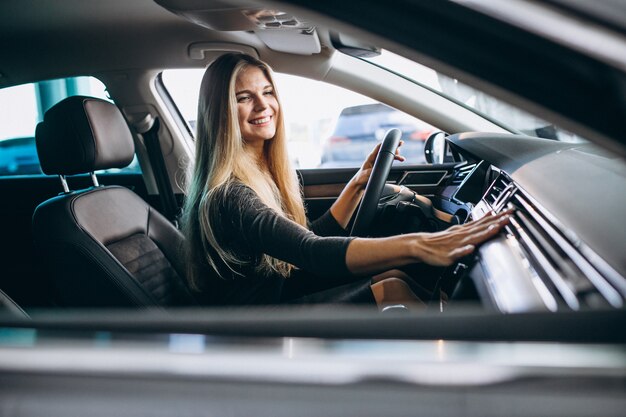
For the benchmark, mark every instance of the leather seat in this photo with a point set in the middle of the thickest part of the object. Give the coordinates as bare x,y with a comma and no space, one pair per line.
9,308
104,246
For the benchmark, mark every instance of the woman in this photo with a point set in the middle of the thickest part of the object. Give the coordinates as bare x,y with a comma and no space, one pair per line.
248,241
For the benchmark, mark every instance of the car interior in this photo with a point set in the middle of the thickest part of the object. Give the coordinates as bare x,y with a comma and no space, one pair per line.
504,105
548,259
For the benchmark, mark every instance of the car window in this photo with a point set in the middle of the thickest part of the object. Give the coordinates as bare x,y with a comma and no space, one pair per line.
23,106
327,126
504,114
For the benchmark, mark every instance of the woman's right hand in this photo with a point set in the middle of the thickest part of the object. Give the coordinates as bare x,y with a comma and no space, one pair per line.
443,248
372,256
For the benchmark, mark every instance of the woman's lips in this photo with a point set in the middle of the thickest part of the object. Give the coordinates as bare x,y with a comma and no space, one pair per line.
260,121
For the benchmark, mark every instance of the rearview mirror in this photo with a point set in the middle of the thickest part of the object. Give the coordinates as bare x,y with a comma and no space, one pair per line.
353,46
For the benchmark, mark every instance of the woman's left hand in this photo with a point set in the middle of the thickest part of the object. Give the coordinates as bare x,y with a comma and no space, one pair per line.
363,174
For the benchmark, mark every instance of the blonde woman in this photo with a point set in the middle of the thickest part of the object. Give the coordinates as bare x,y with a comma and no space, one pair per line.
248,239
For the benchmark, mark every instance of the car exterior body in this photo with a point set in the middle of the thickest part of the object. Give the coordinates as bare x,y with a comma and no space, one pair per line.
19,157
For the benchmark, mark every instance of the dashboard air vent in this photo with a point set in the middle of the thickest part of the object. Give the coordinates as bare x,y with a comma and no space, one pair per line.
567,273
461,173
499,192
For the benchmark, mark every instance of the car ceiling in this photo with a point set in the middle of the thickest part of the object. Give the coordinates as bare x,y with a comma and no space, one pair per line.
41,39
61,38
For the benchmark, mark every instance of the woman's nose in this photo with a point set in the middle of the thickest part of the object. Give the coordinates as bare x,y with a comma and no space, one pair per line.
260,103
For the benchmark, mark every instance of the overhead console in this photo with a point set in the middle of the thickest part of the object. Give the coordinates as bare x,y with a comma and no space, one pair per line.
280,31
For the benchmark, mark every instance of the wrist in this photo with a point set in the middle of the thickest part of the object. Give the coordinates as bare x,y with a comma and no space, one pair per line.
354,187
415,247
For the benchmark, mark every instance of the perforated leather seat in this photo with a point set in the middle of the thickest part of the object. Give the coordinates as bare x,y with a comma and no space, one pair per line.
104,246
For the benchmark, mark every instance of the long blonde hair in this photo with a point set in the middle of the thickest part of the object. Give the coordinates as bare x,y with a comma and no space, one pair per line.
221,160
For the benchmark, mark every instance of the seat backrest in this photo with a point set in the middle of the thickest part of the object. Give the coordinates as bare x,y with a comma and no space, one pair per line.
104,246
8,307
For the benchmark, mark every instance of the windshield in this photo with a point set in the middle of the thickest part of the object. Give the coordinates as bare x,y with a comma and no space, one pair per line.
502,113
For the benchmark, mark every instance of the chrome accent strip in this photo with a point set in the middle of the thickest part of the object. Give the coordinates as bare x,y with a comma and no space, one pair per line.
604,268
66,189
543,291
507,280
94,179
598,262
501,200
443,175
611,295
392,307
566,292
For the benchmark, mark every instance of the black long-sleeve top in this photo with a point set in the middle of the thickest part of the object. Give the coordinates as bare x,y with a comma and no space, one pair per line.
246,226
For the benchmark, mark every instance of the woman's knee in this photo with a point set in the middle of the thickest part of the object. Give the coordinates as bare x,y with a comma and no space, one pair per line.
395,290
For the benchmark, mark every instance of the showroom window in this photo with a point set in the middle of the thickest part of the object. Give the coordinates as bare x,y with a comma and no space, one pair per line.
327,126
23,106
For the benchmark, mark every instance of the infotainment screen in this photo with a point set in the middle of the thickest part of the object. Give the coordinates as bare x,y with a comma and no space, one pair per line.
473,187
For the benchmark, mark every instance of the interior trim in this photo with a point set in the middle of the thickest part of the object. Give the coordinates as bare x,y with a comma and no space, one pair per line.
328,190
198,50
406,174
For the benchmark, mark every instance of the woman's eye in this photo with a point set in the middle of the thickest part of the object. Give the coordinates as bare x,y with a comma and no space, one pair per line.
241,99
269,93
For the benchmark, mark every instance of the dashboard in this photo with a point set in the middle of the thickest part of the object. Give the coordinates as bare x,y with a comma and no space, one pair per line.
564,246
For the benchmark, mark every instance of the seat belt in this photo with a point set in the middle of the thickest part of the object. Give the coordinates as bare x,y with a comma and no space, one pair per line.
166,193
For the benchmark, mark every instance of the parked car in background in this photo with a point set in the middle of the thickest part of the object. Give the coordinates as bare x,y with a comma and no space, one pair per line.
18,156
360,128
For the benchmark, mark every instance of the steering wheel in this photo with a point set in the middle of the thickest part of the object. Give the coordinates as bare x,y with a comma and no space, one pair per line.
376,183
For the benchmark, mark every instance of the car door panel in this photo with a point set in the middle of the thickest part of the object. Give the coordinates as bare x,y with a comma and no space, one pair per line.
323,186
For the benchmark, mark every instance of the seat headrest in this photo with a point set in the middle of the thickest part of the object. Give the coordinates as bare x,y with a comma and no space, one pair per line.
83,134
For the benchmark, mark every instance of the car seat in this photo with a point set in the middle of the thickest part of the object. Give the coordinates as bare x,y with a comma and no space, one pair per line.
104,246
9,308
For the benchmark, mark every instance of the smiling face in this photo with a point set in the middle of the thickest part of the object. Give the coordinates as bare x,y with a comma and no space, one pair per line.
257,106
